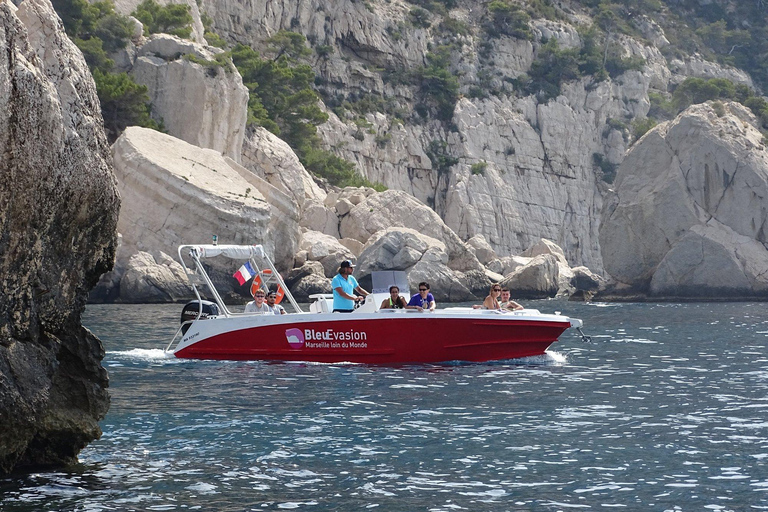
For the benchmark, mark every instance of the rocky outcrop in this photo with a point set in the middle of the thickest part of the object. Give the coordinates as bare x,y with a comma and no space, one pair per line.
687,216
198,100
175,193
58,212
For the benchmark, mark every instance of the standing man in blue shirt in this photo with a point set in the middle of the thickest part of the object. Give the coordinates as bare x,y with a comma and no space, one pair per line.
344,284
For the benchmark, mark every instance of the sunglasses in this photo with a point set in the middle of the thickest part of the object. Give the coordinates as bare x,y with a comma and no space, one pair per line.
258,296
496,289
423,289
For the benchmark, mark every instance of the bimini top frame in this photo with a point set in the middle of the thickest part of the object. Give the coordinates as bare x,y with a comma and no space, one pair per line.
255,254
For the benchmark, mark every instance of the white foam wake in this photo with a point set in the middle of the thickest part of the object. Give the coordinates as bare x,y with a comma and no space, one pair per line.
145,354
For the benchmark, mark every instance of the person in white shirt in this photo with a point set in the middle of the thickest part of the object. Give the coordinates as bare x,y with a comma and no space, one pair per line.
276,308
257,305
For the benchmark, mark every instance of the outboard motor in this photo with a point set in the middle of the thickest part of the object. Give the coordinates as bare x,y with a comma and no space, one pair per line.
192,308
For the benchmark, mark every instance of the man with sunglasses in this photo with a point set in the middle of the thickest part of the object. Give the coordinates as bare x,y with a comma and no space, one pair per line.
424,299
257,305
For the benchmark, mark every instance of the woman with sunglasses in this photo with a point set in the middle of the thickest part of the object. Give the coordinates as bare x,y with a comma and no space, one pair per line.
423,300
492,300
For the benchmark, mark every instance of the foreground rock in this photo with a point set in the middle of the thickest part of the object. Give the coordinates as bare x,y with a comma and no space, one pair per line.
58,212
688,213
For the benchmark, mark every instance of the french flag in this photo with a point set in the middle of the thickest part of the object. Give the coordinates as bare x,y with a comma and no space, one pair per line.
244,273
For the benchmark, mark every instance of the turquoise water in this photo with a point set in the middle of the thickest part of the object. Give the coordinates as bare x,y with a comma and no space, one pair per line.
666,410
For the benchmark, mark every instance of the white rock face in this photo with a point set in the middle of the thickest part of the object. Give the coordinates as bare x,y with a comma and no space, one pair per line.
175,193
697,170
697,66
203,105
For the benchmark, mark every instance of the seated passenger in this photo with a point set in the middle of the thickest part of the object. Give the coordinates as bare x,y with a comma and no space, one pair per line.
491,301
276,308
423,300
395,300
506,302
257,305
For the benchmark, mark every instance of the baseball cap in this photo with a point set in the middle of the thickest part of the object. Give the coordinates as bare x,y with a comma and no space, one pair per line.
346,263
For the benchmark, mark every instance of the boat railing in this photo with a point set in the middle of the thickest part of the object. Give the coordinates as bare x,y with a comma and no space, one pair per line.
178,331
198,277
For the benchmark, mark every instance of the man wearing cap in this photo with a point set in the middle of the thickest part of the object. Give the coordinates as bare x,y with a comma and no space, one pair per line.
344,284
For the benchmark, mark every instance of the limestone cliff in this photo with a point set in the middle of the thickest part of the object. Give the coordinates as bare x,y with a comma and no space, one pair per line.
58,212
514,168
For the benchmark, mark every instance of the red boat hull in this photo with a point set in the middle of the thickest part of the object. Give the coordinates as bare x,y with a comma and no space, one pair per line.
372,339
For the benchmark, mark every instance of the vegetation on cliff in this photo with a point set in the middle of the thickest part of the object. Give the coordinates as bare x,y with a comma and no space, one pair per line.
98,31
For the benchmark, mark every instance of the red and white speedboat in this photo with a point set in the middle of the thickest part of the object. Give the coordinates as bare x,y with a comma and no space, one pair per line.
210,330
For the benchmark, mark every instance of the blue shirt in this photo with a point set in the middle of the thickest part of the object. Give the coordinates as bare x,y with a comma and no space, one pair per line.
416,300
348,285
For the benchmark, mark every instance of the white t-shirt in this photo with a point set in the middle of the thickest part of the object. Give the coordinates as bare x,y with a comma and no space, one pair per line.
277,309
252,308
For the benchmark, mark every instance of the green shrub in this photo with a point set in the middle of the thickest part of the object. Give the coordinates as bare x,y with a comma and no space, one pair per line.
437,151
123,103
173,19
479,167
641,126
439,87
509,19
552,67
607,169
419,17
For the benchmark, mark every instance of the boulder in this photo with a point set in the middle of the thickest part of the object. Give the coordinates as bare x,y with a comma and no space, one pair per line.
149,278
272,159
326,250
316,216
423,258
395,208
294,275
199,101
536,280
713,261
545,246
508,264
58,212
707,167
307,280
585,280
483,250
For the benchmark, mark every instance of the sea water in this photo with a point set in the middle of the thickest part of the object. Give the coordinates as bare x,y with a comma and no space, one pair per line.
667,409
